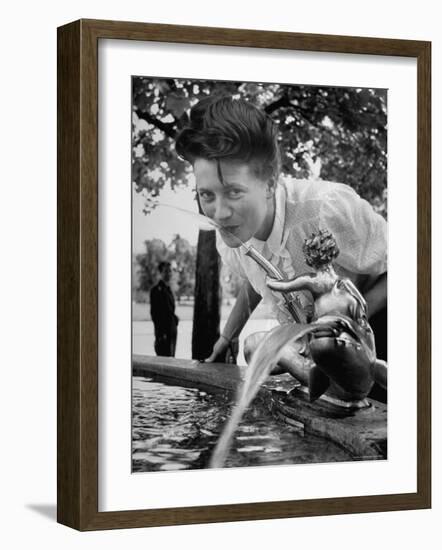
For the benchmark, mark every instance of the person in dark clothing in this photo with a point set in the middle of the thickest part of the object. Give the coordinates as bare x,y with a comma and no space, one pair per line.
162,312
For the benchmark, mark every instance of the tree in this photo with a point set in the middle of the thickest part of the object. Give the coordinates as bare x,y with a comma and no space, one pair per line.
156,252
183,254
342,129
207,311
337,134
180,253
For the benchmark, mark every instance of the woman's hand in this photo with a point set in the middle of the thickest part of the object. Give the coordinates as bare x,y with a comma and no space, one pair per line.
224,351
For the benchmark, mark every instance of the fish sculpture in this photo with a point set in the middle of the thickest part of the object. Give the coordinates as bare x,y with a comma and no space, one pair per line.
339,338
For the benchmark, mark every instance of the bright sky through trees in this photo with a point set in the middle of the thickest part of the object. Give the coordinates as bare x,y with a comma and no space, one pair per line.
163,223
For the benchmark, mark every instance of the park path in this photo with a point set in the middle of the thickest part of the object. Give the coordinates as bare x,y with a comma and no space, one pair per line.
143,336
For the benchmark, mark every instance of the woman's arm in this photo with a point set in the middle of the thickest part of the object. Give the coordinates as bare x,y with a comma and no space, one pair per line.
245,304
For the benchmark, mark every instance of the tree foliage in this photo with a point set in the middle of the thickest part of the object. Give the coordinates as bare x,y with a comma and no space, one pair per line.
180,253
183,255
147,263
337,134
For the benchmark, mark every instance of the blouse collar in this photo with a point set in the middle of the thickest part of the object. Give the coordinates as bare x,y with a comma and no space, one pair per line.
274,241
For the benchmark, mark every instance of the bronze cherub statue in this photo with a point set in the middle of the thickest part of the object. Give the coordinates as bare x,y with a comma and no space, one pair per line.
337,355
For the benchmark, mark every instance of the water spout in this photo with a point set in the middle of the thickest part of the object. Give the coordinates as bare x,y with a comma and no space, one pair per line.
264,359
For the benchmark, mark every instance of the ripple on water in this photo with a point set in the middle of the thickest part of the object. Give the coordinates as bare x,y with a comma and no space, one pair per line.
175,428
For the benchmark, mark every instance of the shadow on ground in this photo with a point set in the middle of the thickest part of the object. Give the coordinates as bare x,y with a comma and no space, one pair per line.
47,510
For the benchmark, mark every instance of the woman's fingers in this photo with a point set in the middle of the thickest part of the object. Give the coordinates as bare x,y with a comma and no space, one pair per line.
219,349
211,358
224,351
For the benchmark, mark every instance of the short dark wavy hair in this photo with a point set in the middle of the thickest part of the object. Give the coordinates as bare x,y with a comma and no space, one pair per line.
225,128
163,265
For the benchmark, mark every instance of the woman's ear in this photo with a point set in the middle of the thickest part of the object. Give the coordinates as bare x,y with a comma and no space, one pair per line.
270,187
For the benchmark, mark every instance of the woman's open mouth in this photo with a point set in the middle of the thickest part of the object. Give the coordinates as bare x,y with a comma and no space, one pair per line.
233,229
231,235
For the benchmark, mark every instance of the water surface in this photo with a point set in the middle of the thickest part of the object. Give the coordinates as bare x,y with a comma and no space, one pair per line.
176,428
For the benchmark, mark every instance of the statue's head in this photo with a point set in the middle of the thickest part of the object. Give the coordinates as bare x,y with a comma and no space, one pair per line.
320,249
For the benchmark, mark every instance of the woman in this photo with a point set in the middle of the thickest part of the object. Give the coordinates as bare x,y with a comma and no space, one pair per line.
233,148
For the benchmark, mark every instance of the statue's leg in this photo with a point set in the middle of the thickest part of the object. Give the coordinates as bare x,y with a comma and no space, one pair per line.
290,361
296,364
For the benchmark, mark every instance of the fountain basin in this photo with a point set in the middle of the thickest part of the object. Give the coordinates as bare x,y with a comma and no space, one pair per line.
333,436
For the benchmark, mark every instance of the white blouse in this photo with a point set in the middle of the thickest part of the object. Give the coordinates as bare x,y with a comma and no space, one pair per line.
304,207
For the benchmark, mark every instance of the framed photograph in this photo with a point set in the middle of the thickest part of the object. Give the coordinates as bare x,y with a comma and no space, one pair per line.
224,240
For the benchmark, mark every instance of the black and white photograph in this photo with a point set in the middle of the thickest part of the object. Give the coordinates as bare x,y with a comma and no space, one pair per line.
259,274
195,223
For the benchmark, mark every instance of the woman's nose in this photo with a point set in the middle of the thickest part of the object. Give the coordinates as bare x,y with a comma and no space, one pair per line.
222,211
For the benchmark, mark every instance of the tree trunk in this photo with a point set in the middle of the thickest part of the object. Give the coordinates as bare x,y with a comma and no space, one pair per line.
206,312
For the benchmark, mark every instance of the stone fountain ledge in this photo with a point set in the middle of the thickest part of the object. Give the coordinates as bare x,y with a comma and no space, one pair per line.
218,376
362,433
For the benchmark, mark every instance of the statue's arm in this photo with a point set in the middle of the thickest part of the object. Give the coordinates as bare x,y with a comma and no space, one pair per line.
302,282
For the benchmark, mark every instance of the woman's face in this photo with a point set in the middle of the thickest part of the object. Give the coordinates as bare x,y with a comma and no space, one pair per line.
242,203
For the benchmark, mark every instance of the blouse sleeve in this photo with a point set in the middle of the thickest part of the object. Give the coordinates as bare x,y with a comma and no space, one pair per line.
360,232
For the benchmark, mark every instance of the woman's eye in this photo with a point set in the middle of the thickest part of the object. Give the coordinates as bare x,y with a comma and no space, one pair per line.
234,194
205,196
